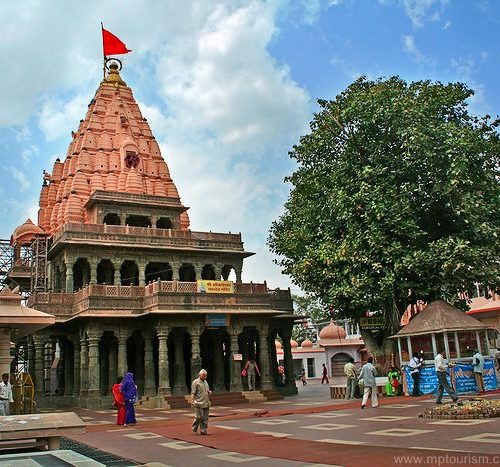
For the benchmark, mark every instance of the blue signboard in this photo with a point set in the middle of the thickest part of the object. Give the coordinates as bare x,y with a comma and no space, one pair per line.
217,320
464,378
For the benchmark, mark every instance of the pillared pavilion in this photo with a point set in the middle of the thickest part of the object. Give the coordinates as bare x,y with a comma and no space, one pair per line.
114,260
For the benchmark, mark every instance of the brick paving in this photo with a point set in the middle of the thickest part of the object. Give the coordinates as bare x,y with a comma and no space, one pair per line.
308,429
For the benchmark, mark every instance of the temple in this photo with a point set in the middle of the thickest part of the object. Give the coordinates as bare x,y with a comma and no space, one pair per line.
131,287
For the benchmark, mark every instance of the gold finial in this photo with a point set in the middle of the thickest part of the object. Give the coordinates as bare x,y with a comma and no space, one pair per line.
113,76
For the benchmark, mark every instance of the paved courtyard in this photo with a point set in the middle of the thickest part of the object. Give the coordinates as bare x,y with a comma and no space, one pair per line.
309,429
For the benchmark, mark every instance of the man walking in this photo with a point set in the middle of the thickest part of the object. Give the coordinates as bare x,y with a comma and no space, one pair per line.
5,395
478,362
325,375
200,393
368,375
441,371
415,364
252,369
351,373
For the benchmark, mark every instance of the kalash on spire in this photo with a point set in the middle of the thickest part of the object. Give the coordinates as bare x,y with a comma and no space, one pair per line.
131,287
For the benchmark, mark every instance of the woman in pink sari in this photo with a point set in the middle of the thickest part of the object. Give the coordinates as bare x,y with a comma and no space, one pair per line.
119,402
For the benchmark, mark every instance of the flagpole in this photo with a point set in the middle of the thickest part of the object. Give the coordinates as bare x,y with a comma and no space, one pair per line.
104,56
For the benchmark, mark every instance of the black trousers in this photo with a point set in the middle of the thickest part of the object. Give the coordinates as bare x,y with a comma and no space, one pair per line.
416,382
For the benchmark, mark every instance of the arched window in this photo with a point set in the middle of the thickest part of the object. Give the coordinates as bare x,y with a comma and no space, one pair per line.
337,363
155,271
129,273
138,221
208,272
81,273
111,218
187,273
105,272
164,223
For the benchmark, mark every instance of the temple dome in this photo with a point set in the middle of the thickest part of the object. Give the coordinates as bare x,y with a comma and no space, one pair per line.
332,331
112,150
278,345
25,233
293,343
306,343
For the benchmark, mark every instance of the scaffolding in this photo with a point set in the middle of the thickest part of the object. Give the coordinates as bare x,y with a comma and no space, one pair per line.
6,259
39,264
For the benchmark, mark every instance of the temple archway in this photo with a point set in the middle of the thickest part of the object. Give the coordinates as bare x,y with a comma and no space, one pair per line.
81,273
208,272
111,219
187,273
337,363
135,359
164,223
158,271
105,272
129,273
138,221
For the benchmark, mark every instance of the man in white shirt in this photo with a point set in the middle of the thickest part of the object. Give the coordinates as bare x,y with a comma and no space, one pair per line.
5,395
478,362
415,364
441,370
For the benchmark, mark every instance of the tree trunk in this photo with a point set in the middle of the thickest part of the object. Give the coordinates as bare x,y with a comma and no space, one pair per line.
380,352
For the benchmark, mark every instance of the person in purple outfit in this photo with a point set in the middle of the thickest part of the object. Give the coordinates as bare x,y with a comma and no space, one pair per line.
129,391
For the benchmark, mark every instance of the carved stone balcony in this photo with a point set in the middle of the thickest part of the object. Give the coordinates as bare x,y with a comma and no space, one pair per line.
159,297
124,235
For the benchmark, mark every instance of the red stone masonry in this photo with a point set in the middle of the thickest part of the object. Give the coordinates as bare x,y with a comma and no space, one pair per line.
112,150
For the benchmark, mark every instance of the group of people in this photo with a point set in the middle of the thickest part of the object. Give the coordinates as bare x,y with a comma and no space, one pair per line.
125,396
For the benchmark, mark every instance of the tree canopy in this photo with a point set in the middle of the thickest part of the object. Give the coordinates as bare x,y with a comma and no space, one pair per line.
311,307
397,190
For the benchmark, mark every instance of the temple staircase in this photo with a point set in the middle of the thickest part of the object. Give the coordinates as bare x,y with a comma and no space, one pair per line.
222,398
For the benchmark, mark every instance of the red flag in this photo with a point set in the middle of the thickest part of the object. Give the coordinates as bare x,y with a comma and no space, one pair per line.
111,45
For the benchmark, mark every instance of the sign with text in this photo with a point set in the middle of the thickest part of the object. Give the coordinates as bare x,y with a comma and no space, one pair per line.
208,286
238,357
371,322
217,320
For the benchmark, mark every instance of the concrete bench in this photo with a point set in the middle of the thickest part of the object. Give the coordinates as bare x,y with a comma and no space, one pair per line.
38,430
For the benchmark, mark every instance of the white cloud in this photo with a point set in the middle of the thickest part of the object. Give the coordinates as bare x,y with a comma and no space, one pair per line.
57,116
21,178
411,48
28,153
420,11
447,25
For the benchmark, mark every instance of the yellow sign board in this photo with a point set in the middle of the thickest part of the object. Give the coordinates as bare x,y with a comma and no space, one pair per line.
207,286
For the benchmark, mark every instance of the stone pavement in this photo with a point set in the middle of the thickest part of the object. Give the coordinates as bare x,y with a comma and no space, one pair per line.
308,429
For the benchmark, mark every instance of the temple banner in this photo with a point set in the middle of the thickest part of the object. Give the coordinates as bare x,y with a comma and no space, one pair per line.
205,286
464,381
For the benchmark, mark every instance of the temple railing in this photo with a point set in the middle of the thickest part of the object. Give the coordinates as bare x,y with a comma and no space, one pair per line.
148,235
157,296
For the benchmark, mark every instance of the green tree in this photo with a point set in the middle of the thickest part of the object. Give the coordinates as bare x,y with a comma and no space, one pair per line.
307,305
395,198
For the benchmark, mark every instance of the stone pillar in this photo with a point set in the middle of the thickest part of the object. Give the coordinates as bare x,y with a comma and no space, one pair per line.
93,270
149,369
176,265
141,265
197,270
195,332
235,365
84,366
47,363
179,365
265,370
68,369
76,367
218,364
287,357
238,271
93,368
163,367
123,335
117,277
69,279
218,271
39,344
31,356
112,366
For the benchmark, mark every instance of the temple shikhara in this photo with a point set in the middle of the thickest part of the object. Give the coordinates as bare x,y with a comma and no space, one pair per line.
131,287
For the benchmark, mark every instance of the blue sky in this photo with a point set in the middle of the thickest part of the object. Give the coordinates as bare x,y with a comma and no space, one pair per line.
227,87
